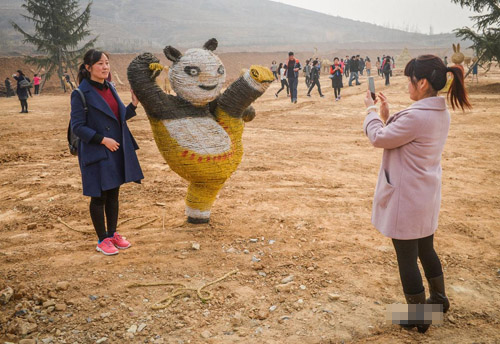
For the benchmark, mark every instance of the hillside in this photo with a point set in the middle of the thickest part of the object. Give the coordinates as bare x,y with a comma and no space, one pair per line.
258,25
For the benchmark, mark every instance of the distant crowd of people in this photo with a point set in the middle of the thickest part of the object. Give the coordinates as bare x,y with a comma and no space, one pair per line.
349,67
25,84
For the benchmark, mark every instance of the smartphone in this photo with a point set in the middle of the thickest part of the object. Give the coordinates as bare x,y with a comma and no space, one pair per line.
371,87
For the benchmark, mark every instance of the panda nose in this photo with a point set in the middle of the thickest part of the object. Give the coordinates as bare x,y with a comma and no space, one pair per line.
204,77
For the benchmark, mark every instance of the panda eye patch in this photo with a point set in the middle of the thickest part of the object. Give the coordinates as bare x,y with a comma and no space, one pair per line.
220,70
192,70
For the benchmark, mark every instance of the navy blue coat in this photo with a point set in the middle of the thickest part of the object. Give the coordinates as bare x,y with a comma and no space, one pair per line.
101,168
22,93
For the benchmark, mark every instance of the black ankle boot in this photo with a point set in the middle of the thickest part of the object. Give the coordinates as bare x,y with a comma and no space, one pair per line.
437,294
416,299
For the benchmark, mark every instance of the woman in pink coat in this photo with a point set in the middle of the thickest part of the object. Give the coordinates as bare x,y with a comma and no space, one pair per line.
408,192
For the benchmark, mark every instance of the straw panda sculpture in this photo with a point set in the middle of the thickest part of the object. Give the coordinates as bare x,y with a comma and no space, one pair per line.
198,131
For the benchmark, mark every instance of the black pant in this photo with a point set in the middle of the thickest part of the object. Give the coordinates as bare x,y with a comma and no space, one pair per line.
37,89
284,84
24,105
407,252
315,82
107,203
337,92
293,83
387,74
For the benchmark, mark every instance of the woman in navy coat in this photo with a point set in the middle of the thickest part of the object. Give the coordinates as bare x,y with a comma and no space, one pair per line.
22,93
106,152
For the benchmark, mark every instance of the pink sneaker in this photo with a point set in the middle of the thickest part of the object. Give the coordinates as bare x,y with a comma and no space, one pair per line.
119,242
107,247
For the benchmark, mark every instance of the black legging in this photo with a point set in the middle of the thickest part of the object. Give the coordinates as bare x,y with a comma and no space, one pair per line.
24,105
284,84
315,83
337,92
387,75
107,203
407,252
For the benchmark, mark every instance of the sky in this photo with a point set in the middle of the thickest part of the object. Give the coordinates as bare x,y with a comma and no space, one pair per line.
413,15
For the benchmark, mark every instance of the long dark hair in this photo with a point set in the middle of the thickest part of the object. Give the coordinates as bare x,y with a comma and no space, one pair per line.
433,69
90,58
280,66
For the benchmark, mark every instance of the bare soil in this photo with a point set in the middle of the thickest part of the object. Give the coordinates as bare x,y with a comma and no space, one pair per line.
299,204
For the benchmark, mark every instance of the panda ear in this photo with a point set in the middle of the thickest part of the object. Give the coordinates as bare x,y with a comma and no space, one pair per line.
211,44
172,54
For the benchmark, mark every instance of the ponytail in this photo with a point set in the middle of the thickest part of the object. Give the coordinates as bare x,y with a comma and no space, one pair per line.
433,69
83,73
457,94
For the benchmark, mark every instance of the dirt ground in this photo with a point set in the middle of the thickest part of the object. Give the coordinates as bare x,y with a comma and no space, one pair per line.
299,205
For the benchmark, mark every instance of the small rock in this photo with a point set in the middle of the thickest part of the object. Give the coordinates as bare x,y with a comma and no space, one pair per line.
236,319
258,267
333,297
50,303
245,251
302,287
60,307
52,295
272,308
6,294
231,250
47,340
311,268
206,334
285,287
255,259
254,240
262,314
284,318
287,279
101,340
271,242
259,330
21,312
451,319
102,303
105,315
141,327
93,297
179,325
262,273
132,329
195,246
129,336
62,285
27,341
31,226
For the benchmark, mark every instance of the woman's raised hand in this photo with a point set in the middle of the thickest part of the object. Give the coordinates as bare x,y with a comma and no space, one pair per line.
110,144
369,100
384,107
135,101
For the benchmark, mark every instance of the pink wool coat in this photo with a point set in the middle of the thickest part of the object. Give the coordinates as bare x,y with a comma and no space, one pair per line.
408,192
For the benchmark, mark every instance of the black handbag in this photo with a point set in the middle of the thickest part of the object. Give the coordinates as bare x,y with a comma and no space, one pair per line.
73,140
